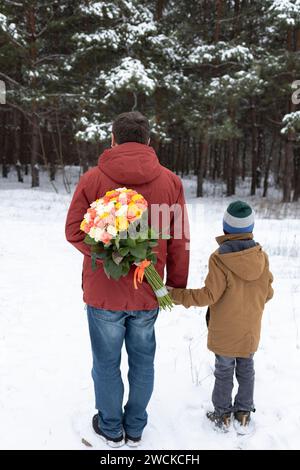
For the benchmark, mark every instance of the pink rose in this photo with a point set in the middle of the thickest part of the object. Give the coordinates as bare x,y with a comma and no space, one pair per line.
109,220
100,223
106,237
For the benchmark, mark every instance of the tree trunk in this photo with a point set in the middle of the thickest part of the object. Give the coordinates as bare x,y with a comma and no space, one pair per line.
230,168
244,154
159,8
19,171
35,144
195,156
237,20
288,169
17,145
289,145
254,149
177,155
203,152
268,166
31,32
296,195
219,8
5,141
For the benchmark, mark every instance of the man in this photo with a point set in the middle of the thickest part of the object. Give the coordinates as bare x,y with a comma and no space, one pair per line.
116,311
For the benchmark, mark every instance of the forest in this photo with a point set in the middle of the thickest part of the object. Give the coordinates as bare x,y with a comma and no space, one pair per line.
219,81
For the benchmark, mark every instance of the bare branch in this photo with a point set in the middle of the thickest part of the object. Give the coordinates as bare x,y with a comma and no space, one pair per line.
12,40
25,113
43,30
9,79
50,57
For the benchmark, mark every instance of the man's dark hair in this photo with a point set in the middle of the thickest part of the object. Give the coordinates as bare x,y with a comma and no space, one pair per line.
131,127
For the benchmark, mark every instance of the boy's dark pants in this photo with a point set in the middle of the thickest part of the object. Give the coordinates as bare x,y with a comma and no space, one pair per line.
224,372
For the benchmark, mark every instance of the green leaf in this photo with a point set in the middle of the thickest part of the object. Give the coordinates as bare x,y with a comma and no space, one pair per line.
117,242
102,255
131,243
97,248
117,257
138,251
124,250
143,244
143,236
152,257
153,234
112,269
125,268
89,241
152,244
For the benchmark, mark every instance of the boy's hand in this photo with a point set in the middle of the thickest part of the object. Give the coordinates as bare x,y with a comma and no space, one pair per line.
170,290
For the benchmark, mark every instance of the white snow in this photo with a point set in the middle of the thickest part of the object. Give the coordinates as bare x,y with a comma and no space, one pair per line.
99,8
104,37
94,131
129,74
220,51
46,391
286,11
291,121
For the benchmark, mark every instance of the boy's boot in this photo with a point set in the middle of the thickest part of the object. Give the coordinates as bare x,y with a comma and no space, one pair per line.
243,417
222,422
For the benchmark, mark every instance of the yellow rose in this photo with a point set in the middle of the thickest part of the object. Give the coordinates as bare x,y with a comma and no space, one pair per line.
136,197
82,225
121,223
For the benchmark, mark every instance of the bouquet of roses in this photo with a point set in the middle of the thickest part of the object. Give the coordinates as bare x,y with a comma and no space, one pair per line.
118,233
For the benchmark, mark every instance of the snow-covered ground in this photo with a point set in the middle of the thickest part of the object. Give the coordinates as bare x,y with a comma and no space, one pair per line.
46,391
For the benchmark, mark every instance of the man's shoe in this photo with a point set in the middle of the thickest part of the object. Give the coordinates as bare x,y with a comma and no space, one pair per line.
221,422
133,441
242,423
243,417
110,441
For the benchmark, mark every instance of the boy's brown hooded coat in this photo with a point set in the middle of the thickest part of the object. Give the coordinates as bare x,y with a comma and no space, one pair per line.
236,288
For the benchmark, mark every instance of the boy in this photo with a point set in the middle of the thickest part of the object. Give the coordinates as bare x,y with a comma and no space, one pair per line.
236,289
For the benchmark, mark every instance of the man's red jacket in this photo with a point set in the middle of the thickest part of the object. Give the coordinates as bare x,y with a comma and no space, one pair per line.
135,166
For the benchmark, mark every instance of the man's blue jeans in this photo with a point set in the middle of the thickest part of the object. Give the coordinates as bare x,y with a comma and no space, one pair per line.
224,372
108,330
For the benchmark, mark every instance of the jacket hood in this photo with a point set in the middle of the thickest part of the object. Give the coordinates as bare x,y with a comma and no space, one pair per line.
247,264
234,236
130,163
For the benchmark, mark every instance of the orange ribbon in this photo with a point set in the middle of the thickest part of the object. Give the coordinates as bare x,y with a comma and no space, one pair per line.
140,272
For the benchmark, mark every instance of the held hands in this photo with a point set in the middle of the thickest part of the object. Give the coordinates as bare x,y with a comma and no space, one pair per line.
170,290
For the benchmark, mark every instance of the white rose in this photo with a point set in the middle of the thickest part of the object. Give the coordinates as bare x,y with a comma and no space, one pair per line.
92,232
109,207
112,230
122,210
98,234
100,209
